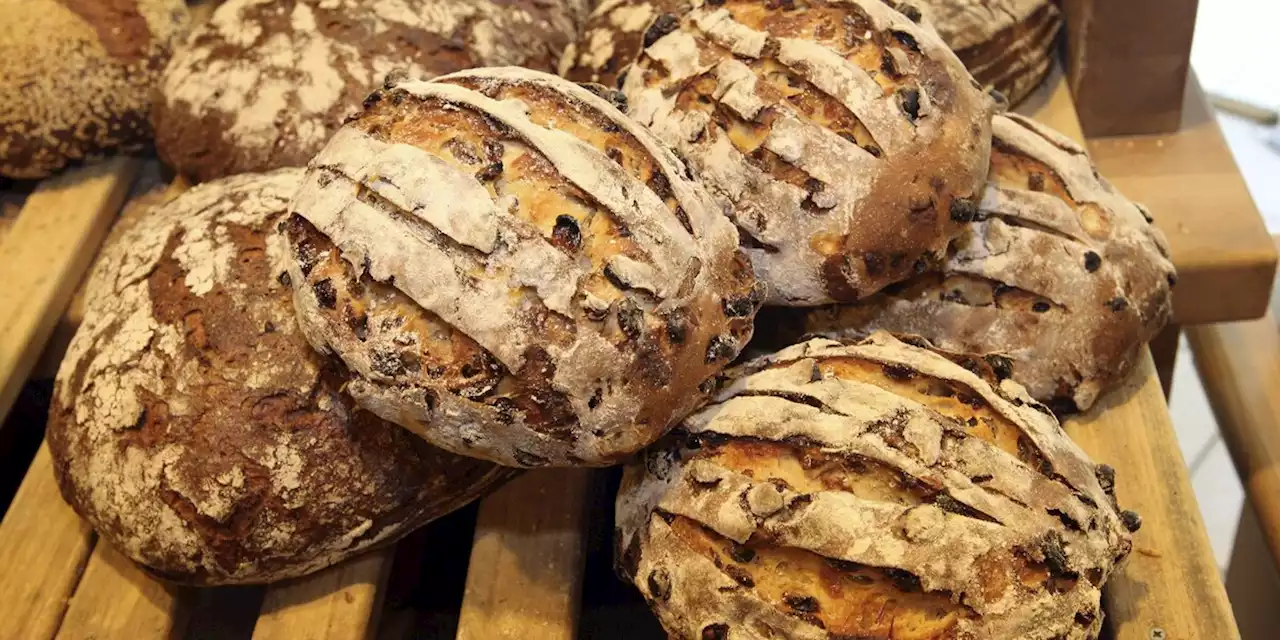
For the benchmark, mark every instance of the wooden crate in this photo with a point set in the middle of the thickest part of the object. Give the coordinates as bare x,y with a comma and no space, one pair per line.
538,553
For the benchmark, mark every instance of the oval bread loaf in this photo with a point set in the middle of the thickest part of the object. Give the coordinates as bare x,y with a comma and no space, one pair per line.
195,429
515,270
846,137
77,76
265,83
1057,271
875,490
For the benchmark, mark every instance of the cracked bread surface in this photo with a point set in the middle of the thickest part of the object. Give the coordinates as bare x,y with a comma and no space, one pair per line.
195,429
1057,271
870,490
515,270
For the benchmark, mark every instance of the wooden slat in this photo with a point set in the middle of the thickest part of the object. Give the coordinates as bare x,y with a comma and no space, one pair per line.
525,578
115,599
1171,581
45,254
43,548
339,603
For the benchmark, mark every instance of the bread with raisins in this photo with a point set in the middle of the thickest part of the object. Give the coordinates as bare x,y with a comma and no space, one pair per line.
515,270
870,490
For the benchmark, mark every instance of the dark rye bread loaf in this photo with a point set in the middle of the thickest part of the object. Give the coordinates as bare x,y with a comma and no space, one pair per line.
195,429
874,490
515,270
846,137
77,76
1057,271
266,82
1006,44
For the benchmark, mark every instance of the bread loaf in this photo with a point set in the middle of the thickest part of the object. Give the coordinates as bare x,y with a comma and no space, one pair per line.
612,37
1057,271
874,490
265,83
1005,44
847,138
195,429
515,270
77,76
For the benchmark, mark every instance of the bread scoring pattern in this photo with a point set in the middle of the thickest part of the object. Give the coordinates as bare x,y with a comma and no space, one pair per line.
515,270
875,489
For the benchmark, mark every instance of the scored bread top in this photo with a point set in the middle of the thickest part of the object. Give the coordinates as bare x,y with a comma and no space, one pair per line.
77,76
195,429
845,136
870,490
265,83
515,270
968,23
1005,44
1058,272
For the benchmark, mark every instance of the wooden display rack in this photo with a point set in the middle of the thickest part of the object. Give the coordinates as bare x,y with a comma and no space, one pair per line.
531,537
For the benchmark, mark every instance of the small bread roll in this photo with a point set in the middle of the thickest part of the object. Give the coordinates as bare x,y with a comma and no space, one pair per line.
515,270
195,429
77,77
1057,272
875,490
848,139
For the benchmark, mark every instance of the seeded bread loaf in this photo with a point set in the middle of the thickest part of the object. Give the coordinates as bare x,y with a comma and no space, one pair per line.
1057,271
1005,44
875,490
515,270
77,76
195,429
266,82
845,136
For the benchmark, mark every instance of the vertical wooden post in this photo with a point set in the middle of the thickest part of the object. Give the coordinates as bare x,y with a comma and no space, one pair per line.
1127,63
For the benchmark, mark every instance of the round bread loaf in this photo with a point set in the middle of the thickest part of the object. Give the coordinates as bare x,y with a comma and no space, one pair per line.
195,429
515,270
612,37
847,137
875,490
1005,44
1057,271
77,76
266,82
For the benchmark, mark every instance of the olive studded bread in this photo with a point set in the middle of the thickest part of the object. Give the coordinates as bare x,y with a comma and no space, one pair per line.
870,490
265,82
1056,271
77,76
515,270
847,138
194,427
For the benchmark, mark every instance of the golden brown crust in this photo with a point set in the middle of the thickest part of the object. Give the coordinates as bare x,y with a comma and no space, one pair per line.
515,270
844,135
874,490
77,76
1058,272
196,430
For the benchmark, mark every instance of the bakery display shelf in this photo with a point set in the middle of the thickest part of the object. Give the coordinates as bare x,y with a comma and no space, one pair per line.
533,539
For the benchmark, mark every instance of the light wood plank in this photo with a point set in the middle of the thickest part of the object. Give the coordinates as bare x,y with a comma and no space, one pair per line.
525,578
1171,582
339,603
116,599
46,252
43,548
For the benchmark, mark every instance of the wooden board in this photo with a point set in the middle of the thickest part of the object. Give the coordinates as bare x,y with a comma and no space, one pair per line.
46,252
116,599
43,548
1127,61
339,603
1170,587
525,578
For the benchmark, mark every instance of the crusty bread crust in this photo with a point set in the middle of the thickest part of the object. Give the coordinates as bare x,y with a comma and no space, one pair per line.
196,430
265,82
515,270
846,137
870,490
1058,272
